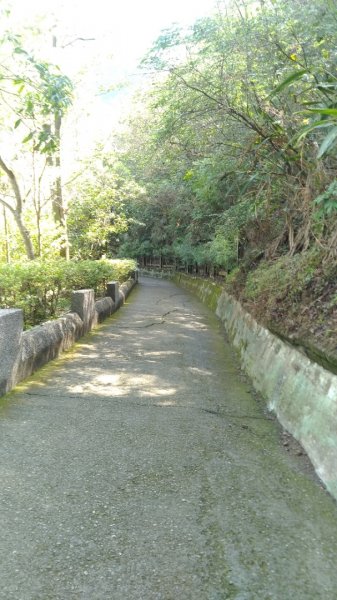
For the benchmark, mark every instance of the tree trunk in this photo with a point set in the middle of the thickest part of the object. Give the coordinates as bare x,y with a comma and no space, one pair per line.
17,211
58,203
7,239
25,235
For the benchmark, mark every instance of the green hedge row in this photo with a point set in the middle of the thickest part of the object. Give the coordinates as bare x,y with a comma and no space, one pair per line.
42,289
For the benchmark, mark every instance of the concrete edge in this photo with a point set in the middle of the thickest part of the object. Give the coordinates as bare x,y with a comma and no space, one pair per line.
302,393
23,352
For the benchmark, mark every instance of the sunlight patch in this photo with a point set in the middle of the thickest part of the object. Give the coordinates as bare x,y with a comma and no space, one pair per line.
152,393
167,403
200,371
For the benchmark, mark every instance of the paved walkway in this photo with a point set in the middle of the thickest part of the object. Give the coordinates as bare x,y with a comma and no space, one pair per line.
142,467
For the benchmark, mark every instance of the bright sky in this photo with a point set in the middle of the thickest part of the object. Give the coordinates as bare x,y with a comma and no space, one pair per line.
128,26
123,30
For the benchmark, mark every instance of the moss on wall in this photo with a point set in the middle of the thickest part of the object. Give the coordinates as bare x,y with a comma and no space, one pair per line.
302,393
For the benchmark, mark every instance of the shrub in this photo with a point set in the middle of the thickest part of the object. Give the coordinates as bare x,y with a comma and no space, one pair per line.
42,289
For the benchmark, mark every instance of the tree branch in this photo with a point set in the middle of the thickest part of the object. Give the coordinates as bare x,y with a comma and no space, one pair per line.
14,184
79,39
7,205
231,111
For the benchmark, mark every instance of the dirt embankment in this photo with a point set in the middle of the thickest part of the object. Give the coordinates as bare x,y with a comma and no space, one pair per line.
296,298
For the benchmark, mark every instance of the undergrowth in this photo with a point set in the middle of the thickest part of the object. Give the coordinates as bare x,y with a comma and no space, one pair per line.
293,295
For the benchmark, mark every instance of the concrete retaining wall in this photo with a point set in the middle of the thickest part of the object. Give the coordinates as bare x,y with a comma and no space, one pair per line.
302,393
23,352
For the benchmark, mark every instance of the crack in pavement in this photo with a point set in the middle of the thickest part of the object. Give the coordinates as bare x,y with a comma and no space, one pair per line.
161,322
153,405
234,416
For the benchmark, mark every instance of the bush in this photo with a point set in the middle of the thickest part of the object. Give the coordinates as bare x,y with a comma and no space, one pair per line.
42,289
223,252
286,277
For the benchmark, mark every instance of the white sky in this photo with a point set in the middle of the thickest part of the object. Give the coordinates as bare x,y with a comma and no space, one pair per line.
130,26
123,30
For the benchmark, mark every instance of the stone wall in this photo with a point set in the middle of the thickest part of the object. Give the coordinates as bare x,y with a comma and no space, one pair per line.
302,393
23,352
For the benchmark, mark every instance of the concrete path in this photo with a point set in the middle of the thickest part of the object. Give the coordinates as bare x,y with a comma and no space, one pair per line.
142,467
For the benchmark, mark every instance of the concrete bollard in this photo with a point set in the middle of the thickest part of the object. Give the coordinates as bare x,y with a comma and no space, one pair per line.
11,327
83,303
112,290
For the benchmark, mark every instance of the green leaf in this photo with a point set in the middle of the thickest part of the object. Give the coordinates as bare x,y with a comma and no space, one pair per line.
328,142
326,86
308,128
286,82
323,111
28,137
19,50
17,123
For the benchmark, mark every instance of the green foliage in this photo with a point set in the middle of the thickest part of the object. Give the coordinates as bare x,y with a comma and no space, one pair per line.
98,207
327,201
50,243
237,135
288,81
43,288
36,93
188,253
286,277
223,252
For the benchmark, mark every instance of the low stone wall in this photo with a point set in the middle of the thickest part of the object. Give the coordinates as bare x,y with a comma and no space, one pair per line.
302,393
23,352
11,326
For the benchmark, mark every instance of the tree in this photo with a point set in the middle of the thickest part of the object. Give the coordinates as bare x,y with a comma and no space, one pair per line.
229,129
98,207
35,96
44,105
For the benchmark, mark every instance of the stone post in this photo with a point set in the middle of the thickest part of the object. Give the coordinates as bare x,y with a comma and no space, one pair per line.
11,326
112,290
83,303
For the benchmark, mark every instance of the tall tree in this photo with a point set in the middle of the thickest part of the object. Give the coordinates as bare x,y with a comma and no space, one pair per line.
35,95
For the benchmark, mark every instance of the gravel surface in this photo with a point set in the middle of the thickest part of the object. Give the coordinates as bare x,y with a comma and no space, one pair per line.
143,467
